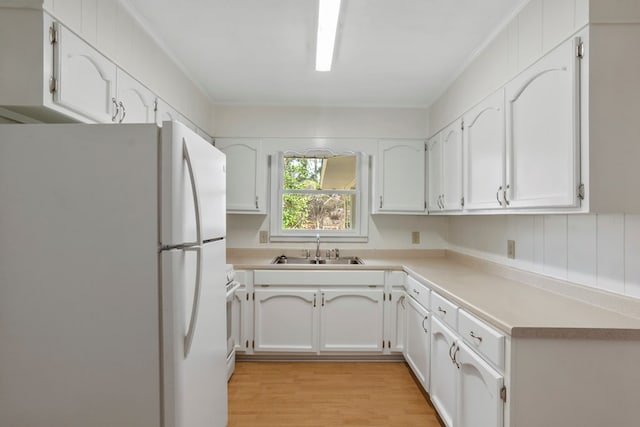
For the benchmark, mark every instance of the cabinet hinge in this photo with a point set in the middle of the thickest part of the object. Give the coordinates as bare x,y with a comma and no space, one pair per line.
503,393
425,204
462,125
247,296
155,106
384,297
53,35
389,344
581,191
53,84
254,296
253,345
246,345
462,202
580,49
389,297
382,343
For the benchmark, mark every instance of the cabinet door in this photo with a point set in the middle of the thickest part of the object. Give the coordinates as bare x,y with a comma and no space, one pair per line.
400,177
434,154
395,334
484,154
417,343
238,314
351,319
86,80
542,132
286,320
246,176
165,113
136,102
443,372
452,166
479,402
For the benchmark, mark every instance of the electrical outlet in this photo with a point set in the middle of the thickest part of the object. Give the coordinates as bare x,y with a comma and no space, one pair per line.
415,237
264,236
511,249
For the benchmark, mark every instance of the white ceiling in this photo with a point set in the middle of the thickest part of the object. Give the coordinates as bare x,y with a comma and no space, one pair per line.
388,52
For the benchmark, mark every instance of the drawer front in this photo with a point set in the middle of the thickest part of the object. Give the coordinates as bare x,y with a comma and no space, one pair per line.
482,338
418,291
318,278
444,310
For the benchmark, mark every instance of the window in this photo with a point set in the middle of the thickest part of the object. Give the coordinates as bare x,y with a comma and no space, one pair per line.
319,193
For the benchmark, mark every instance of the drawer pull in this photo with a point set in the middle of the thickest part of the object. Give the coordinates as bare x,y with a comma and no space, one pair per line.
473,335
424,320
442,310
453,344
416,292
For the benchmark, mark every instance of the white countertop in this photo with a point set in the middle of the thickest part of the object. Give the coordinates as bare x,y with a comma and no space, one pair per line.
516,308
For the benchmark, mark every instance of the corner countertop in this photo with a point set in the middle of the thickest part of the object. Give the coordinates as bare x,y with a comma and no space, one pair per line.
518,303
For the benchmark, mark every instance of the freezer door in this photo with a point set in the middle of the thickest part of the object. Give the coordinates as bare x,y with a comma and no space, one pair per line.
194,336
193,182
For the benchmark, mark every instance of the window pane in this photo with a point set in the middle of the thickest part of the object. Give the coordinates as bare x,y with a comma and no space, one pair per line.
318,211
320,173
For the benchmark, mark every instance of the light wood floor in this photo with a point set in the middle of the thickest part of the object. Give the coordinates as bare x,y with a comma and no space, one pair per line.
322,394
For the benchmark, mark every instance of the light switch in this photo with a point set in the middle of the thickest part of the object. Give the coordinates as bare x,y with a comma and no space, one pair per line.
415,237
511,249
264,236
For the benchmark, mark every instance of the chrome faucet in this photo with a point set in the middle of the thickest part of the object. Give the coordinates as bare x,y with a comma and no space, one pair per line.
318,246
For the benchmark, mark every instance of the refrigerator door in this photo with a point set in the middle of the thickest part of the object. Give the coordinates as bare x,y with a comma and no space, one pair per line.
193,183
194,379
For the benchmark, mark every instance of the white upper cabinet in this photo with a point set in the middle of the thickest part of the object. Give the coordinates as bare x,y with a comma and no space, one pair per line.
445,169
85,80
165,112
434,152
542,110
484,154
136,103
246,175
400,177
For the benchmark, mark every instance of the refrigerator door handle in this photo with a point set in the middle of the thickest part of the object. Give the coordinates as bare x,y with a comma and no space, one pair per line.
197,246
191,330
194,190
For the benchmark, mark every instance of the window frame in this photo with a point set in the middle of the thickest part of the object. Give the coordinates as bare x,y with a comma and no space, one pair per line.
359,233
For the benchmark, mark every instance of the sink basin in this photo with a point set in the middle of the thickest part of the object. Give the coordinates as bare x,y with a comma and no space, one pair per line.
282,259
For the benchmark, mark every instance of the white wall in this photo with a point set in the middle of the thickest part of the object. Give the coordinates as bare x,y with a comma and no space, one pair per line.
364,126
600,251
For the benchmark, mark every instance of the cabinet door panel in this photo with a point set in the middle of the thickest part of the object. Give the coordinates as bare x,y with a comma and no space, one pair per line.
484,153
286,320
417,346
452,166
85,79
397,325
434,152
479,402
246,176
443,372
351,320
137,101
542,132
400,177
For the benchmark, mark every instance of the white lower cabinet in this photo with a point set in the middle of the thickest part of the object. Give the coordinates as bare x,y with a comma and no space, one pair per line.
351,319
417,345
318,318
443,372
465,389
396,326
479,387
286,320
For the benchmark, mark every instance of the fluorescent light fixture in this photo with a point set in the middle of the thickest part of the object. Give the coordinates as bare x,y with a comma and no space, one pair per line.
328,12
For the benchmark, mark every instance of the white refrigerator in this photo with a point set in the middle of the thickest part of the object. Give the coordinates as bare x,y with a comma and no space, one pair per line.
112,277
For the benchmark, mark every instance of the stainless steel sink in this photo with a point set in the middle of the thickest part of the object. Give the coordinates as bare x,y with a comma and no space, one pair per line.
283,259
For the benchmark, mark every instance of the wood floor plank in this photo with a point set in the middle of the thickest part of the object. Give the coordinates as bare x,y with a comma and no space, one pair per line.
319,394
